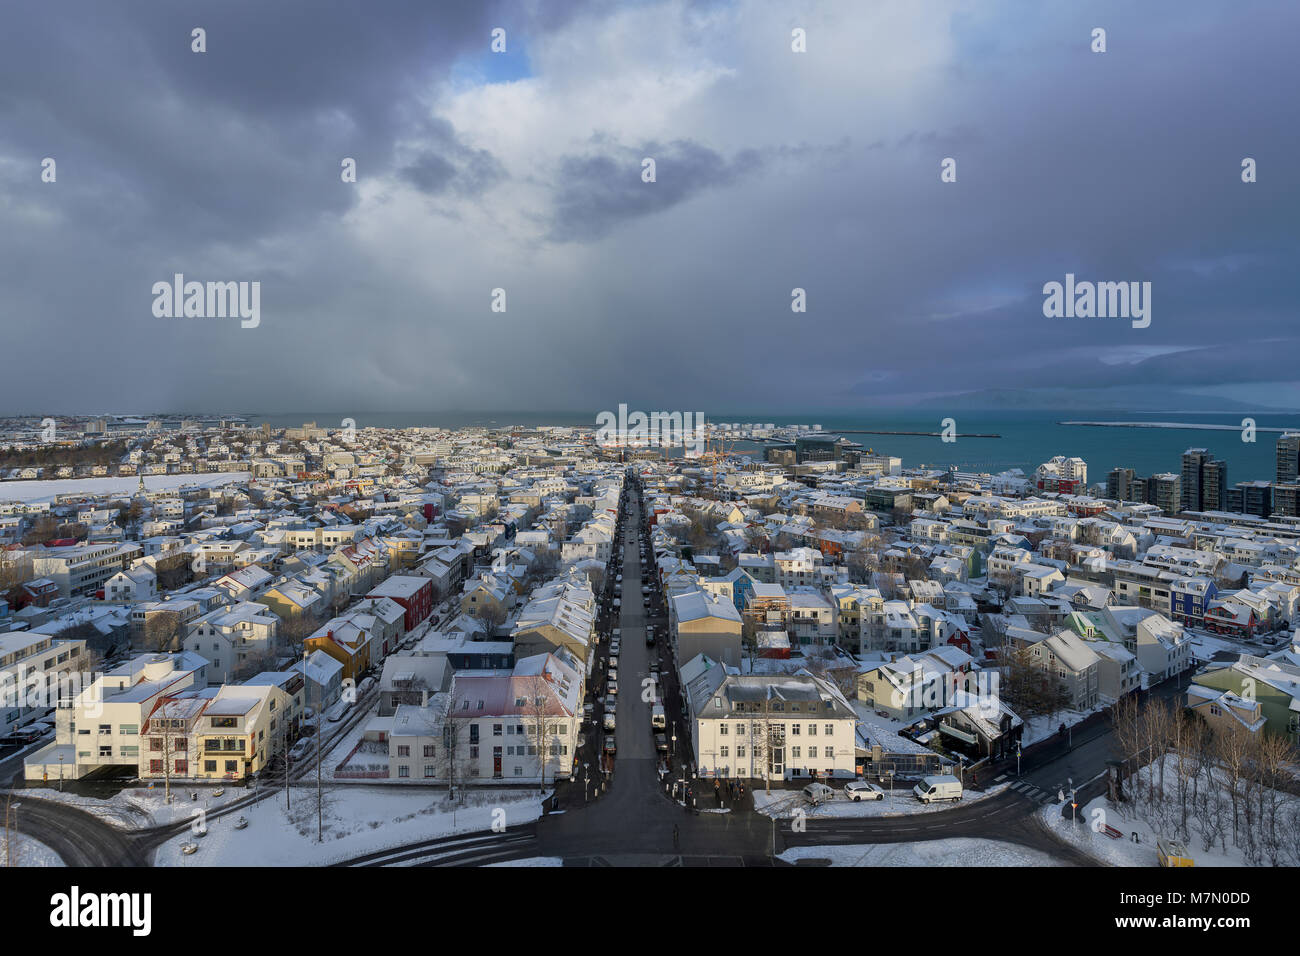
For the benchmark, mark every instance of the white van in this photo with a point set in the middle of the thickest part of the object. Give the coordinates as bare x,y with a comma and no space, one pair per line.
657,718
938,787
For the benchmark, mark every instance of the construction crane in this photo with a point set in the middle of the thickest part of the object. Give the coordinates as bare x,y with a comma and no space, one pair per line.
715,450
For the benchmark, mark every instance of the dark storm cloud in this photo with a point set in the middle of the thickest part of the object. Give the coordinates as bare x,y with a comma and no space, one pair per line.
595,193
444,163
779,173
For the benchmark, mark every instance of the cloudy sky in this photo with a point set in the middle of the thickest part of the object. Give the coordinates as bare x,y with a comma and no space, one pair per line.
522,170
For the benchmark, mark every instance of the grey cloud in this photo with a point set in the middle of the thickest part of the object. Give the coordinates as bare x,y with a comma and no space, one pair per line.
596,193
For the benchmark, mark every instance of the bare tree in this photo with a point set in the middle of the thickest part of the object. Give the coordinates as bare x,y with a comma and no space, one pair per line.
15,571
161,631
543,719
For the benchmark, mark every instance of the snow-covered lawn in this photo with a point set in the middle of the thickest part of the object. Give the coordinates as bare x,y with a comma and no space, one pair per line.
1130,818
1042,727
952,852
532,861
781,803
140,807
26,851
357,820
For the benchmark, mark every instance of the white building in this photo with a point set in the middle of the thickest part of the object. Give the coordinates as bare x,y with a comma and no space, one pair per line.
755,725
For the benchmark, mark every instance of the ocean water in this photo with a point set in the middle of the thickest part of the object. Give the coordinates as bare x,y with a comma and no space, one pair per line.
1028,438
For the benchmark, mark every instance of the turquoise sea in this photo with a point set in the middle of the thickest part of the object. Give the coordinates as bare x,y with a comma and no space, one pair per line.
1028,438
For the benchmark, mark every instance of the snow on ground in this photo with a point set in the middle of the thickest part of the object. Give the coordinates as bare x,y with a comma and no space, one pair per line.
124,486
1123,852
357,820
532,861
143,806
951,852
26,851
335,755
780,803
1129,818
1048,725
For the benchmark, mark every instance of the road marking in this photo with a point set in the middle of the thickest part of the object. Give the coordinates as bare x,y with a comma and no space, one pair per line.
999,779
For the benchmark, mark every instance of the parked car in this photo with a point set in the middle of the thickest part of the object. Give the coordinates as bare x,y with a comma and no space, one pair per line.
301,749
587,710
658,720
610,745
938,787
661,743
857,790
612,687
613,673
818,793
610,723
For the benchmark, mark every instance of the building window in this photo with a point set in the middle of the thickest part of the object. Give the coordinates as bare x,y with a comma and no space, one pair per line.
403,750
403,771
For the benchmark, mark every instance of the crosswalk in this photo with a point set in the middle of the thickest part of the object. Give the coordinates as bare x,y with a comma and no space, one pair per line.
1037,794
474,849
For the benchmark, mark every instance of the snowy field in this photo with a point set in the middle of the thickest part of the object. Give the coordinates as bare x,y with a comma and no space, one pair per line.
781,803
1124,852
357,820
143,806
124,486
532,861
952,852
26,852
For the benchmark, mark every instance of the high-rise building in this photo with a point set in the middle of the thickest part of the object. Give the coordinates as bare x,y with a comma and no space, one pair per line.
1064,475
1194,460
1166,492
1119,485
1252,498
1286,500
1214,485
1288,458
